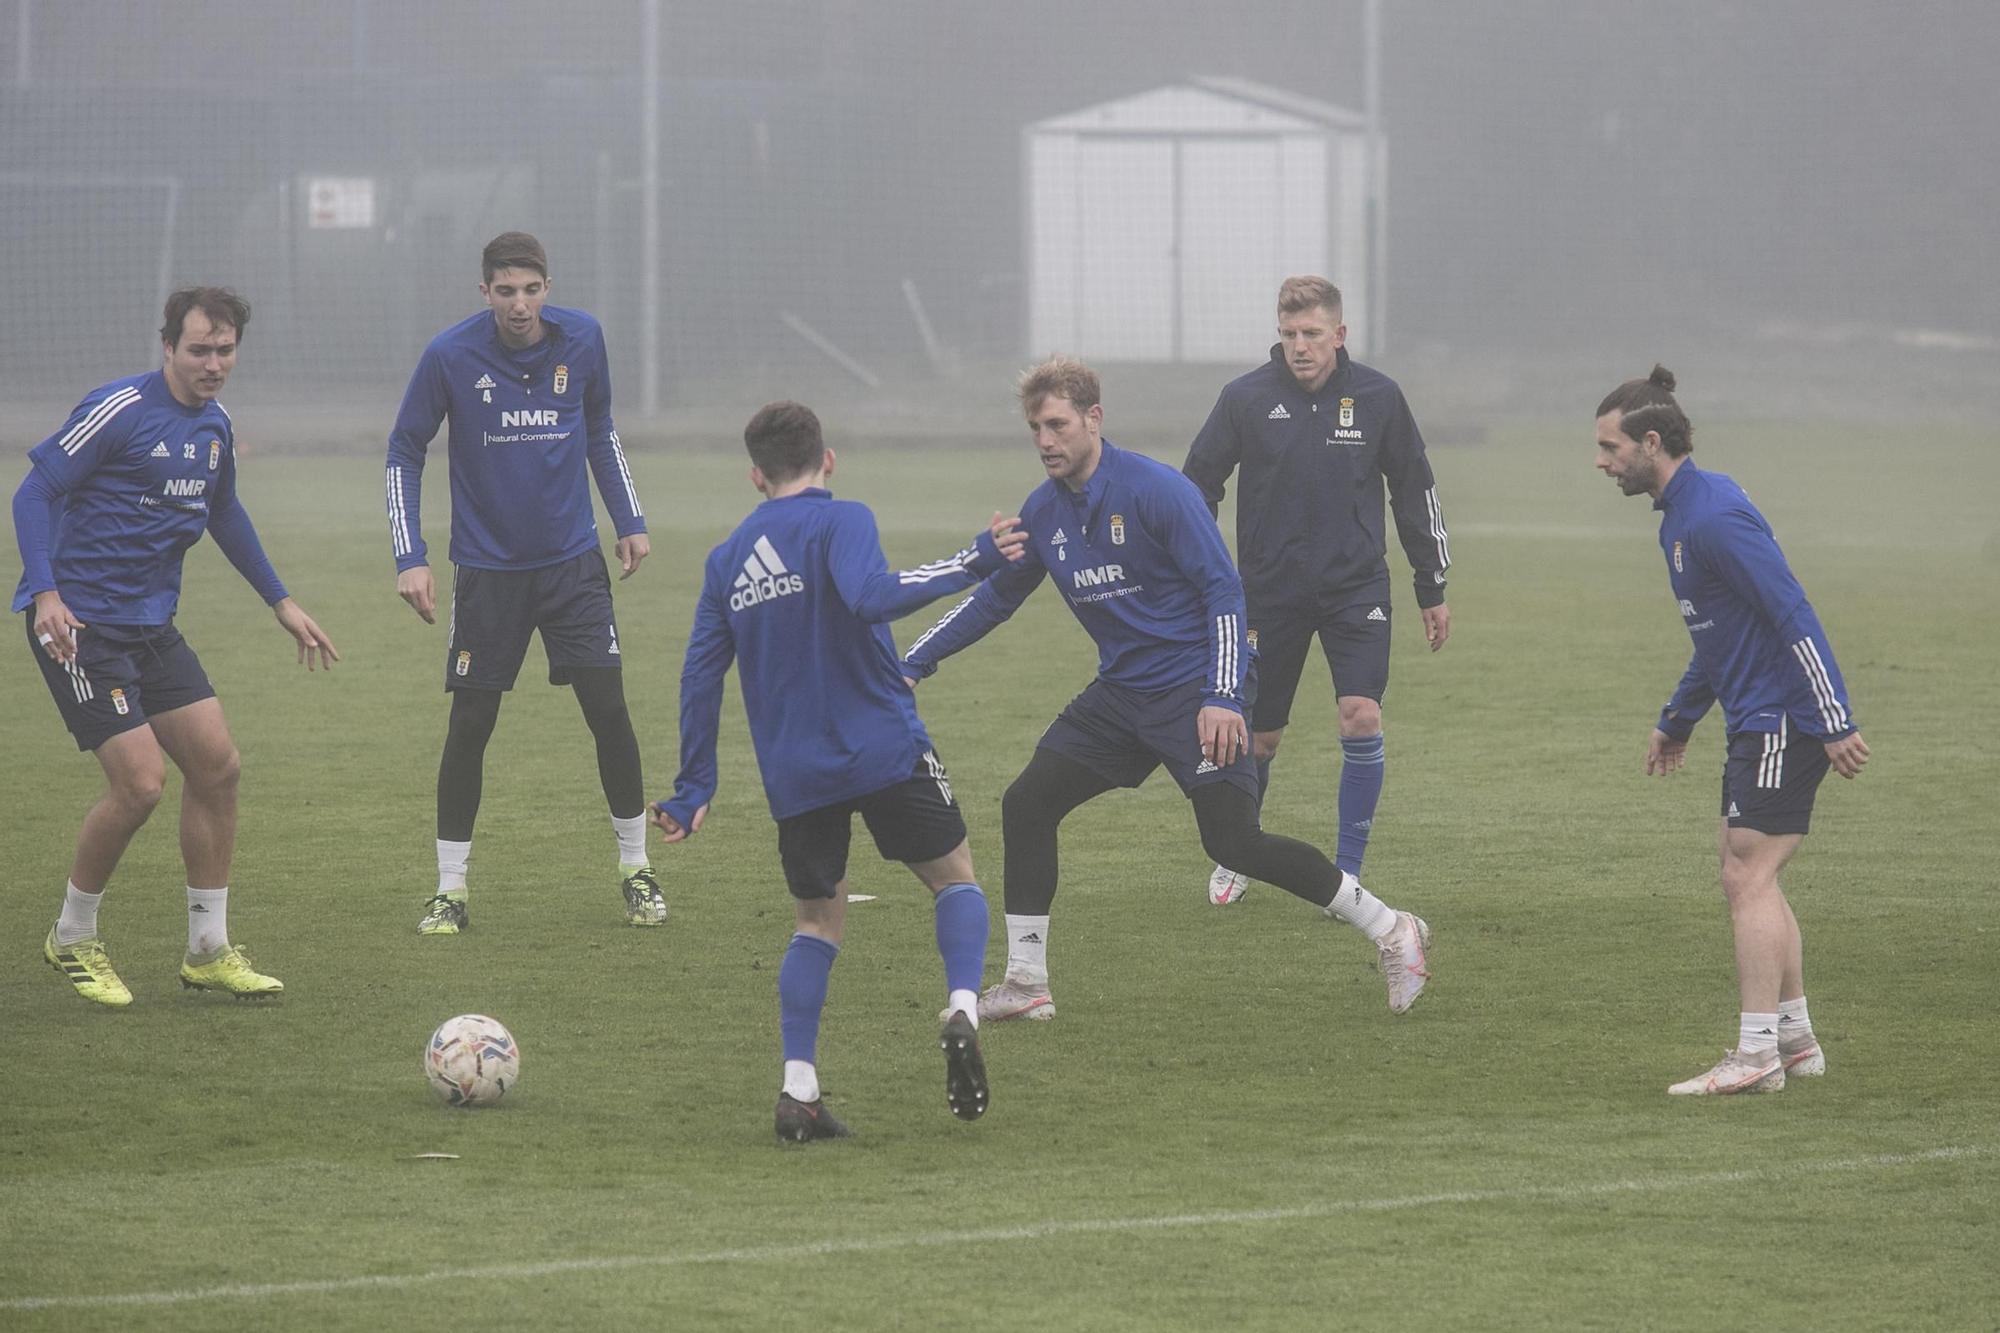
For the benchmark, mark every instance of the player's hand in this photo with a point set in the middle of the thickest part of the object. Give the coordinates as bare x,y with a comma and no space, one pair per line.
1437,625
1847,754
1224,737
315,649
55,627
910,681
631,550
1010,537
670,828
415,586
1664,754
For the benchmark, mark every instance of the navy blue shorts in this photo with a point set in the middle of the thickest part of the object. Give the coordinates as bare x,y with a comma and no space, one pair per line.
1769,779
121,675
1355,640
1123,734
495,611
914,820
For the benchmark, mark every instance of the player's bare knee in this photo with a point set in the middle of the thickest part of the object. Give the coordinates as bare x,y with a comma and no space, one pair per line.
1360,715
218,774
954,867
137,791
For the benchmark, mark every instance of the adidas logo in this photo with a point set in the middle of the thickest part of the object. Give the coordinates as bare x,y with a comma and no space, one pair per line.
1032,937
484,382
1279,413
1376,614
1733,811
160,450
764,578
1059,538
1206,766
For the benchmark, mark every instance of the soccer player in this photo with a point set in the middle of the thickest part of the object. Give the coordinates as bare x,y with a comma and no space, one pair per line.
800,595
1317,434
528,391
1143,567
111,503
1759,649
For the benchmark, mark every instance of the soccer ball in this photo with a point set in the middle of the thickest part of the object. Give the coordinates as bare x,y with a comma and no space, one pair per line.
472,1060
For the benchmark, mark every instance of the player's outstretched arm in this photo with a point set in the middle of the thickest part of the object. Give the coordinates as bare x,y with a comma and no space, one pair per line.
315,649
877,594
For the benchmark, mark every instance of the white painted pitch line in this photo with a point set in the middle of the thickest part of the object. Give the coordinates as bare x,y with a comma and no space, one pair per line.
1031,1231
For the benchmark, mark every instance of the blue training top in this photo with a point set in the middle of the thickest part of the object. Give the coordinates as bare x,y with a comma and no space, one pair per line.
799,595
524,423
115,498
1143,568
1758,647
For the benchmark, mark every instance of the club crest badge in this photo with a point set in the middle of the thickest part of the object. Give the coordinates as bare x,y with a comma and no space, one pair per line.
1347,413
464,662
562,379
1118,529
214,454
118,702
1677,558
1252,637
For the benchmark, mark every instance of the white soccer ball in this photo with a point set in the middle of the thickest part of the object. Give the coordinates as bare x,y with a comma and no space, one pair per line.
472,1060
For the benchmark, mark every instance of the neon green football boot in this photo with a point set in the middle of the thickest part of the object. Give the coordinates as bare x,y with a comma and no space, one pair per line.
645,905
88,968
229,972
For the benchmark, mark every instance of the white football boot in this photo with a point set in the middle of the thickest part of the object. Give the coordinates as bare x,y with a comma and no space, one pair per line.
1225,886
1736,1072
1404,966
1802,1058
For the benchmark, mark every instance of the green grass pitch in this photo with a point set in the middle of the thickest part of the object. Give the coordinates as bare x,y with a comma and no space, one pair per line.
1224,1128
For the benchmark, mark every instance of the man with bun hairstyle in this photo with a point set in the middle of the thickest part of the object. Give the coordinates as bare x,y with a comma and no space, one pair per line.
1760,652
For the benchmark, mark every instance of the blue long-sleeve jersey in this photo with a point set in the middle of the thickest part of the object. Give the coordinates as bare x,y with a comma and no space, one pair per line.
1309,529
799,597
528,426
1144,569
1758,647
114,499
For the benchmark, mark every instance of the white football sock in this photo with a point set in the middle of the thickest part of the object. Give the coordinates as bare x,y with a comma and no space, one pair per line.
1757,1034
631,841
965,1002
79,916
1028,947
208,921
452,860
1793,1020
801,1081
1362,909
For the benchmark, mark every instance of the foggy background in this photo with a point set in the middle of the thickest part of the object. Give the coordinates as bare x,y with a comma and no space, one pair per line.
1793,203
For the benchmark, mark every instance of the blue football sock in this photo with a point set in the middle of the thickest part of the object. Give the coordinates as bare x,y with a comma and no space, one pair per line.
1360,790
961,935
802,981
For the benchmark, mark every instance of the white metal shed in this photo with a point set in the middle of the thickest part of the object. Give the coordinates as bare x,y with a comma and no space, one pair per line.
1160,225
